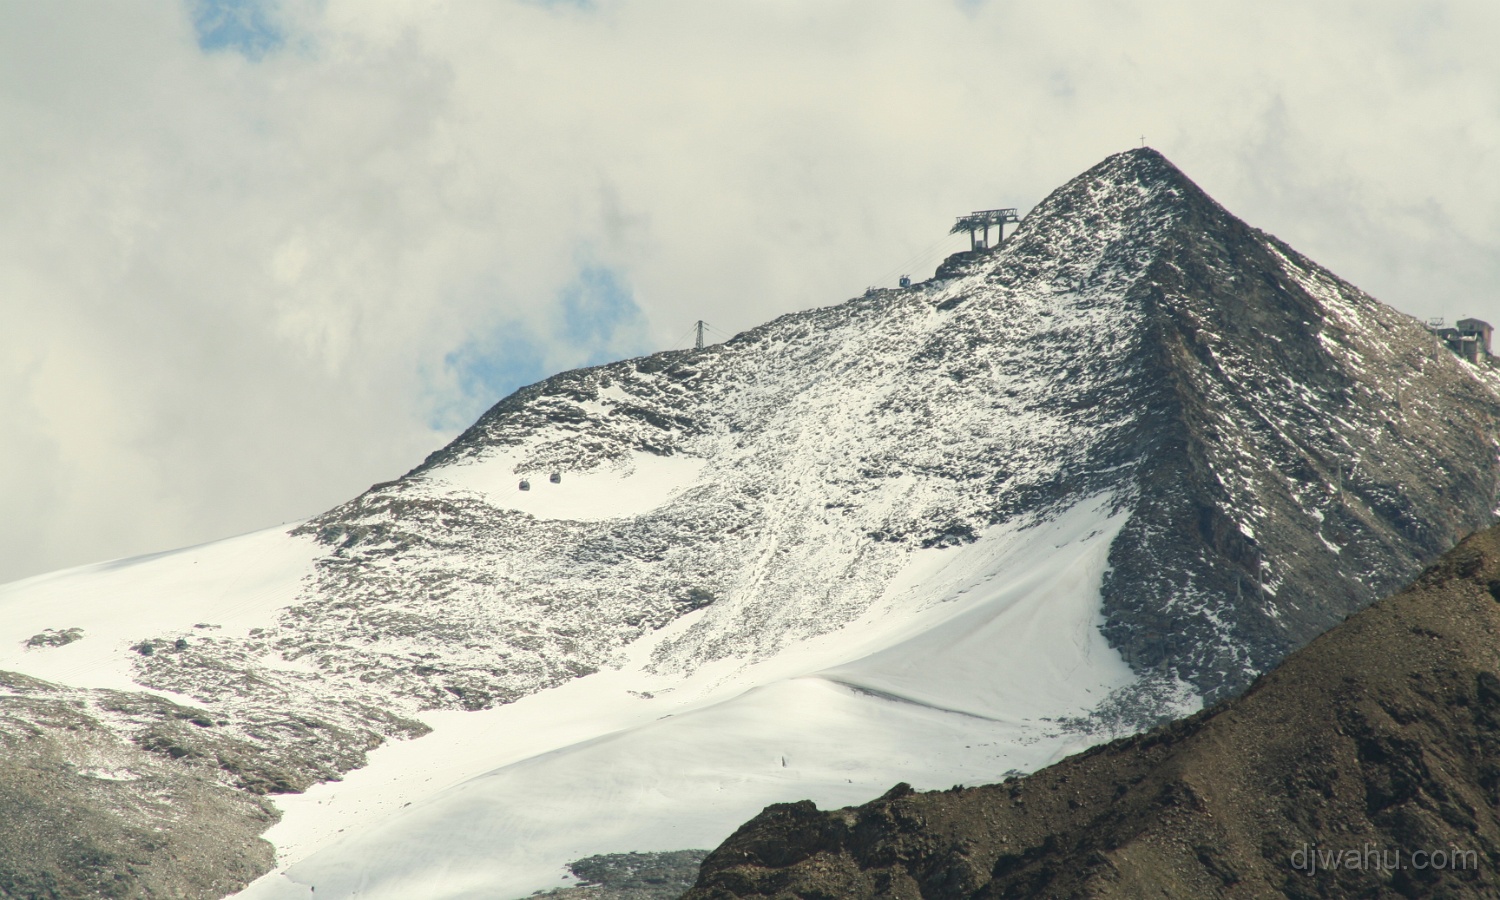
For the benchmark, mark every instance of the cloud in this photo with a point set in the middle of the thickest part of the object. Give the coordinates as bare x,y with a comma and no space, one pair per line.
256,256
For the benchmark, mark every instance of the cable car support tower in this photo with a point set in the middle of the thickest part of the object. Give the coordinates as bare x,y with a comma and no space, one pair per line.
978,223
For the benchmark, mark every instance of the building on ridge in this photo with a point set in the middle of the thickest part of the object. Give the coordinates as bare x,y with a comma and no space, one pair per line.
1468,338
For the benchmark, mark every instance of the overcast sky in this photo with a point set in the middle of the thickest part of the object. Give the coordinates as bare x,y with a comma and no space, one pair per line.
255,256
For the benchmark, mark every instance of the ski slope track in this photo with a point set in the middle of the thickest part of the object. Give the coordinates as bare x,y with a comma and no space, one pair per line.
1067,488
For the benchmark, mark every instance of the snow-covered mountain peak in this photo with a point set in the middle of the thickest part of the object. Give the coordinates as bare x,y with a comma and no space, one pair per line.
1124,461
1131,338
1120,205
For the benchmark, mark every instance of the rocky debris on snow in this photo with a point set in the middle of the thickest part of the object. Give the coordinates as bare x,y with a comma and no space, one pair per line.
54,638
266,737
631,876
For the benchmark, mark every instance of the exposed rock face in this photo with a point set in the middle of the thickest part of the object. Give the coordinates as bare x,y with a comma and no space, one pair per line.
1366,765
87,812
1284,445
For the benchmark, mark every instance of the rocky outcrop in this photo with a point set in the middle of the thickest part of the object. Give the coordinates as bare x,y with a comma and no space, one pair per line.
631,876
113,794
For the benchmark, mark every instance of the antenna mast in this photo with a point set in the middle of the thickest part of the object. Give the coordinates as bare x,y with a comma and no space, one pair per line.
698,328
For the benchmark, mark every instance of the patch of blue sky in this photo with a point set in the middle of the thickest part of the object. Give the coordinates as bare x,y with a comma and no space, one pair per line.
248,27
597,309
595,320
482,370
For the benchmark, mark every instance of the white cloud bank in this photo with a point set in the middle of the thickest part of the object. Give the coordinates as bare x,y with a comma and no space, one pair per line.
237,290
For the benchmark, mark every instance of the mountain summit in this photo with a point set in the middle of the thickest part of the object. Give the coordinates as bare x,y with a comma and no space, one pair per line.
1066,488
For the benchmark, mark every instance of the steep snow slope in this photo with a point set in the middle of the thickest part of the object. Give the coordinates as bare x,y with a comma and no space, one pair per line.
898,693
1380,736
857,539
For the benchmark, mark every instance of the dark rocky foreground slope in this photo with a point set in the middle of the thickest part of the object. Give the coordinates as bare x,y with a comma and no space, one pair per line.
114,794
1366,765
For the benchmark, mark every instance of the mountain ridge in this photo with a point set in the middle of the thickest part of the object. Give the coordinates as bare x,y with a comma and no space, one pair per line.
1058,248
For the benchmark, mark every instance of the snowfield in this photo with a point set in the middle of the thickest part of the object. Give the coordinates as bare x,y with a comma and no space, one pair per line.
630,486
960,673
596,766
231,585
